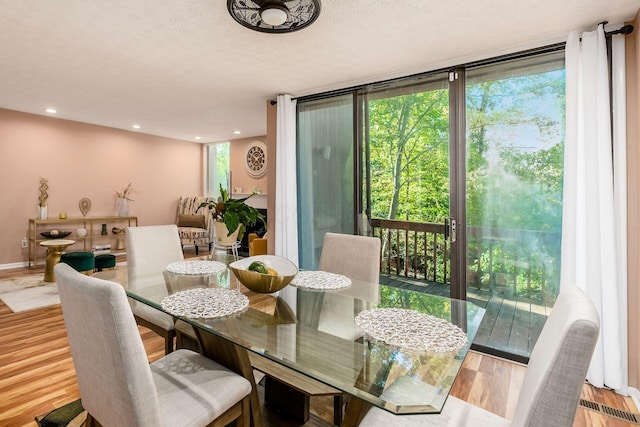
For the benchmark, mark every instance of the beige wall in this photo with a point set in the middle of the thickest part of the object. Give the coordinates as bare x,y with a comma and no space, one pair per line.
239,176
633,177
81,160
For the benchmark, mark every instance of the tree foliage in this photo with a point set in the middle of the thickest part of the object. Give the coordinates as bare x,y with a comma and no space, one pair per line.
409,138
514,153
514,159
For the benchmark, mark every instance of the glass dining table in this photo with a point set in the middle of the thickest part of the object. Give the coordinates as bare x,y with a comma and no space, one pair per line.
393,348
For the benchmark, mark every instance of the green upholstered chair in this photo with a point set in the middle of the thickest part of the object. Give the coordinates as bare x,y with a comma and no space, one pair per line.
83,262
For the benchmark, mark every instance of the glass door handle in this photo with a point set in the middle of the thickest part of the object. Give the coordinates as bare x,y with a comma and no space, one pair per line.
451,229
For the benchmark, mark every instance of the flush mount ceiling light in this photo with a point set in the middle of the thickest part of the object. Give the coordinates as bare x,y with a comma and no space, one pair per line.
274,16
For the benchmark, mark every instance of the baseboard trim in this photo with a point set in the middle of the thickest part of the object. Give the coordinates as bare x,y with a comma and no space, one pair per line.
635,396
14,265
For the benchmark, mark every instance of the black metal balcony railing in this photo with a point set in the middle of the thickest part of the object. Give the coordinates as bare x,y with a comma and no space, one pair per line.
522,262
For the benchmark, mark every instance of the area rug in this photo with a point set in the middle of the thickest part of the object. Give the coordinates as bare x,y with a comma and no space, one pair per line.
28,293
31,292
70,415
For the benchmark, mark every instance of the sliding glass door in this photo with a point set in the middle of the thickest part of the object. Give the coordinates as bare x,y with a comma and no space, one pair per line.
406,190
514,163
326,178
459,173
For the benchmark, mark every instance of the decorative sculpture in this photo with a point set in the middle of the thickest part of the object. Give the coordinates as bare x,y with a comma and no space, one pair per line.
85,205
42,199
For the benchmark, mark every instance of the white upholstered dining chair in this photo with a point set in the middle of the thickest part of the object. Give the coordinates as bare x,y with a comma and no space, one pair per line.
149,250
553,382
119,387
358,258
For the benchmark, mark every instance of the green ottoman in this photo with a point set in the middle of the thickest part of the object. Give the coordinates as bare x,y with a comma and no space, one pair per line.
83,262
105,261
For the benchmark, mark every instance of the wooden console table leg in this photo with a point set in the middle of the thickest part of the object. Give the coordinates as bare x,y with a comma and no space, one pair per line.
235,358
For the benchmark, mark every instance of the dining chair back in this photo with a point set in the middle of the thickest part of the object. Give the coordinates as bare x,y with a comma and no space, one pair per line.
149,250
559,362
118,386
357,257
553,382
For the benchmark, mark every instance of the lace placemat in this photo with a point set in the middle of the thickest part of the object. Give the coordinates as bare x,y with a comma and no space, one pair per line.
411,330
205,303
320,280
196,267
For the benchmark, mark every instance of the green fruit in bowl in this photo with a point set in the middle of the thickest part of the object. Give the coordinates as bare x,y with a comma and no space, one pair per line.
258,267
279,272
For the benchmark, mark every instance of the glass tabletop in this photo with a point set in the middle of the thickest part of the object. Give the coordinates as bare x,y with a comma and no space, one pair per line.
315,333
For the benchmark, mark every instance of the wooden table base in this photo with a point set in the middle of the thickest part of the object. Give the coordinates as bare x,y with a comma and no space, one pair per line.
277,394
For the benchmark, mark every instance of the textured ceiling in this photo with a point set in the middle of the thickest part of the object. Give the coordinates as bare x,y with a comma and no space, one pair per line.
184,68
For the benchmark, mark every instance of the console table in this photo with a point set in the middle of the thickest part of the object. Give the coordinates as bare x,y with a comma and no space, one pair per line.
93,225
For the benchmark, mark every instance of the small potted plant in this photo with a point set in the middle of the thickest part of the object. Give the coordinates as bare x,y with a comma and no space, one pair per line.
231,216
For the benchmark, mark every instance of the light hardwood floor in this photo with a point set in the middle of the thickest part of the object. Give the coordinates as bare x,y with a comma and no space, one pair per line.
37,374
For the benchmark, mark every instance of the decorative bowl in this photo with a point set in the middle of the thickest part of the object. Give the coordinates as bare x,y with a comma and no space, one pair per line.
53,235
264,283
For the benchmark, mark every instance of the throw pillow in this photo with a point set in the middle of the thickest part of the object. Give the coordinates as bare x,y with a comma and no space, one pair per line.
196,221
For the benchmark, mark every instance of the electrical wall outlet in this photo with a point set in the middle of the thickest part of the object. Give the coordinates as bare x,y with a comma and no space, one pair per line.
24,242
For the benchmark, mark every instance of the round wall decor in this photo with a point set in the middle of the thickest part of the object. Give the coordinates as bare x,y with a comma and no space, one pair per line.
256,159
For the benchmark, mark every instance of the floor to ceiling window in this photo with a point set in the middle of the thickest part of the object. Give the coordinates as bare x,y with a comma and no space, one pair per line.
218,172
481,145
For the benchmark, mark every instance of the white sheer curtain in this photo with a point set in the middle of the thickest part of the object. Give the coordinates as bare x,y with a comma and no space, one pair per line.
286,233
594,205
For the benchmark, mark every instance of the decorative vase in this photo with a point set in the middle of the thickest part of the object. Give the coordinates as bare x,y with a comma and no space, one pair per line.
222,233
42,212
122,207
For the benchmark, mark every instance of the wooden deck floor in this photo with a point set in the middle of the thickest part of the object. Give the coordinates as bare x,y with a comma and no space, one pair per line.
512,323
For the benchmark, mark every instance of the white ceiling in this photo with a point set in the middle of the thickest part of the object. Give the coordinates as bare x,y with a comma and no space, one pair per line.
183,68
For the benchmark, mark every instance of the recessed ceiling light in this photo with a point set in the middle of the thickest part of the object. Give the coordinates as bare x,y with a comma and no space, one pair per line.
236,132
136,126
197,137
51,110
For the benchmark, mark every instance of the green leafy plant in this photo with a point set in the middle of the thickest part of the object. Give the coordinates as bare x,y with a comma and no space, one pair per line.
233,212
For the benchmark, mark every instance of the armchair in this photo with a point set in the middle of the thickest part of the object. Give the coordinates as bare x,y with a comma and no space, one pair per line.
195,226
257,245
